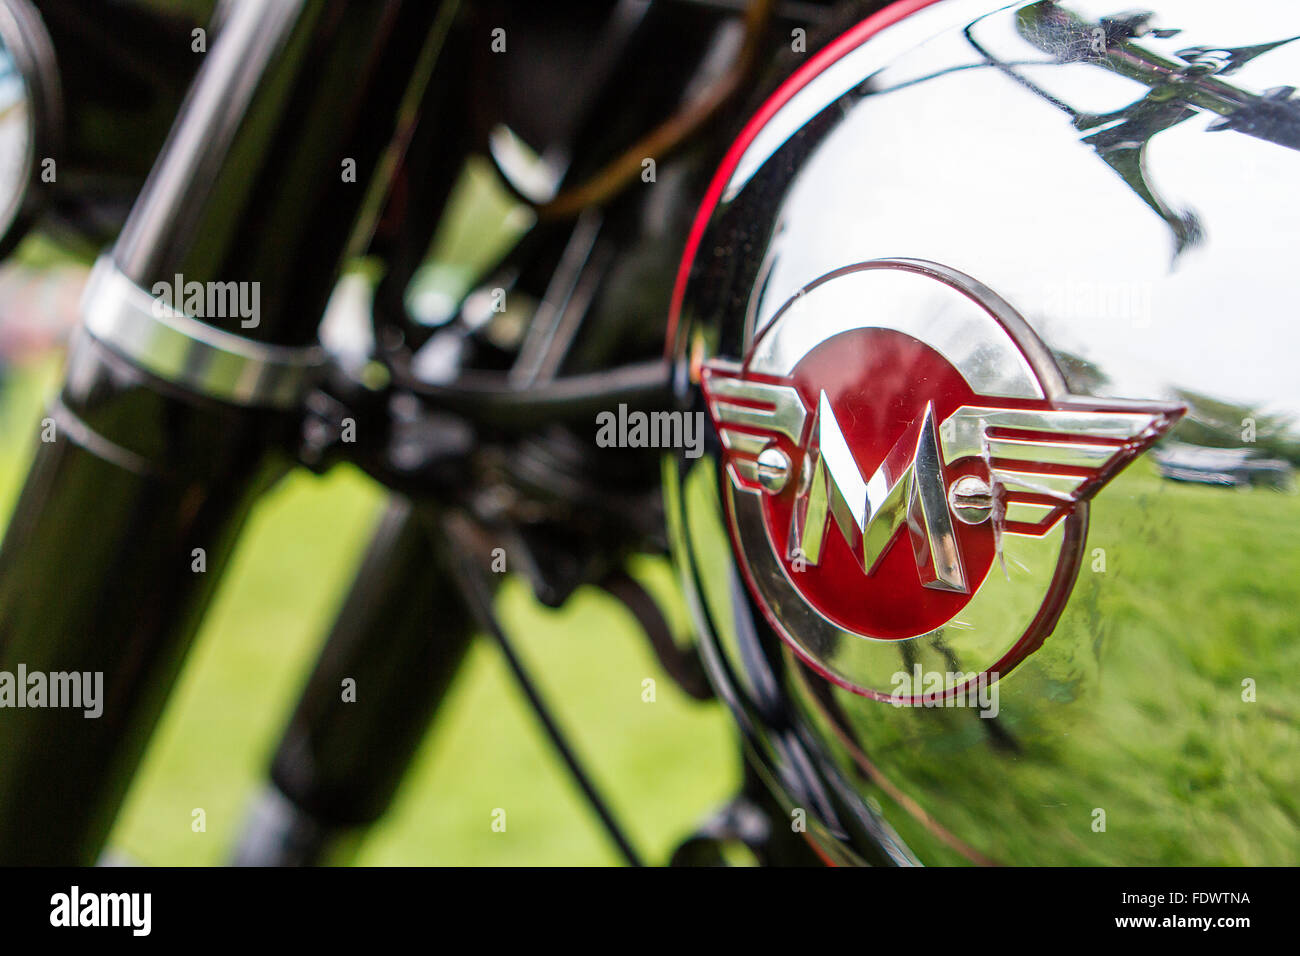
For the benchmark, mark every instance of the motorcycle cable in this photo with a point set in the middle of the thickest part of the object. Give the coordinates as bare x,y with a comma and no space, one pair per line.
459,536
487,399
676,130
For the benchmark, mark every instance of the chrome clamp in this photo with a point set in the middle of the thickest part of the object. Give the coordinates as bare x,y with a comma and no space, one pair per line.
189,353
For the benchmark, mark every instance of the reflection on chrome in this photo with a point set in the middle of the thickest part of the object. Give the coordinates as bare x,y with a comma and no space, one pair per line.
1229,467
1129,184
1181,85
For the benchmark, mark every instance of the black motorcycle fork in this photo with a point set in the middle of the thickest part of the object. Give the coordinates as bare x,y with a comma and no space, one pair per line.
382,673
151,463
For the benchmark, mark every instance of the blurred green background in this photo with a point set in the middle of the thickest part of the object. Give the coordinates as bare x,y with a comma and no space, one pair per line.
663,765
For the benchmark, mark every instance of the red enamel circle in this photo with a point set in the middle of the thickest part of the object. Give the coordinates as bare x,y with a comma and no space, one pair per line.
878,383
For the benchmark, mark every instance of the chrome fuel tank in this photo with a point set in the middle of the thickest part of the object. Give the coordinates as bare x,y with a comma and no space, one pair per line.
995,557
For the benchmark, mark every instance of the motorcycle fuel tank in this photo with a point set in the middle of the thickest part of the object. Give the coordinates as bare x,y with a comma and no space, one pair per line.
994,552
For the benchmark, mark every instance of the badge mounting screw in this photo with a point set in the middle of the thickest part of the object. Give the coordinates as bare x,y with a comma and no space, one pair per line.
773,469
971,500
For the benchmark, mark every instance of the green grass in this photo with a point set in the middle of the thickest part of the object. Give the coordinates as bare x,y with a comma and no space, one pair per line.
664,765
1135,703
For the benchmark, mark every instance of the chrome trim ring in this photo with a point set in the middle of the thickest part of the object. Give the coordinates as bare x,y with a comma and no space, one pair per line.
191,354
